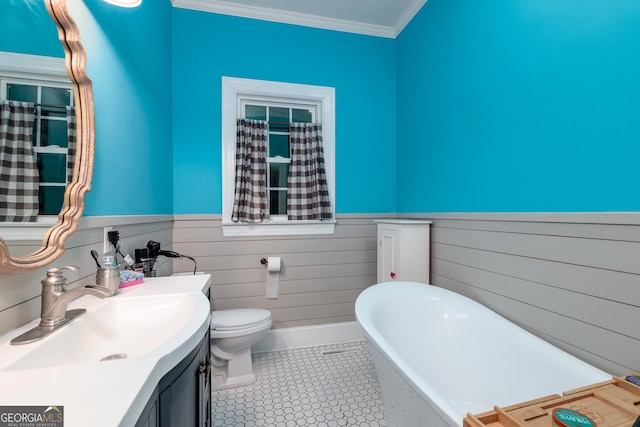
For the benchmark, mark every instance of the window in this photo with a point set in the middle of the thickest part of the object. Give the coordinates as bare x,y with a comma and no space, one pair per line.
280,104
44,82
279,115
50,134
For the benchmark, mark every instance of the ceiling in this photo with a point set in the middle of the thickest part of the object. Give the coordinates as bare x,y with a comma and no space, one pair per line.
381,18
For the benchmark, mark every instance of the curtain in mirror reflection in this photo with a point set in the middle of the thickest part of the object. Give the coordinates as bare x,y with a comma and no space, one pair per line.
19,177
53,139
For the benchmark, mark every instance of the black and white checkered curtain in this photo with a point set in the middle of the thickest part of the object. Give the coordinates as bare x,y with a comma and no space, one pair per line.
250,203
18,164
307,190
73,141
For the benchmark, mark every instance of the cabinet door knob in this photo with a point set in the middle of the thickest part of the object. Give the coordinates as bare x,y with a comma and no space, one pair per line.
393,275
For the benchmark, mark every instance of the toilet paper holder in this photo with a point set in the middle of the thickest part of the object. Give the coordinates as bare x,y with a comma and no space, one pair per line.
265,262
274,265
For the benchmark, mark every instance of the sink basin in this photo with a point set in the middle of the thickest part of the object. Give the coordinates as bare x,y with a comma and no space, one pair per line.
118,329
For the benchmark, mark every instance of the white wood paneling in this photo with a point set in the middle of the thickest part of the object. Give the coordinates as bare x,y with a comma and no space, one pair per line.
20,292
608,284
320,279
572,279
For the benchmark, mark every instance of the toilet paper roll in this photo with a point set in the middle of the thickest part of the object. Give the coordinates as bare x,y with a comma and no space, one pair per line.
274,264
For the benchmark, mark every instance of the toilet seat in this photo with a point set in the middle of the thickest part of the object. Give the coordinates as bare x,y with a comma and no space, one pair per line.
238,319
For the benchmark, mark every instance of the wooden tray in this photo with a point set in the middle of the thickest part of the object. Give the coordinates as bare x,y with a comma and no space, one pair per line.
613,403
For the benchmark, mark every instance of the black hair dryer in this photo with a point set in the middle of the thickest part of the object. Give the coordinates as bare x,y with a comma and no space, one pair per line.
145,258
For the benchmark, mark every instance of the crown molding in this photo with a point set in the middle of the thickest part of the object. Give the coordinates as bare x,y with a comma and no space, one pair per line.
407,16
307,20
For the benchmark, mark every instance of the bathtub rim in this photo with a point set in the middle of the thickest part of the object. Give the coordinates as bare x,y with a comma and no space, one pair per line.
414,386
409,374
428,393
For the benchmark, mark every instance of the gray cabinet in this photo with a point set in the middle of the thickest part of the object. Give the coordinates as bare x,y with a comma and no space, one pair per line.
183,396
403,250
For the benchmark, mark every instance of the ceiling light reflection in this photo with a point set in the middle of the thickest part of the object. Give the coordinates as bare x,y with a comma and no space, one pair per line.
125,3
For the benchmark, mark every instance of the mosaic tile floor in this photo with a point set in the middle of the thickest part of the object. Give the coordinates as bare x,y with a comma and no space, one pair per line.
325,386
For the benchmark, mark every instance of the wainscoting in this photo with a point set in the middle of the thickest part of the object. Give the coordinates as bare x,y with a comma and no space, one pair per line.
572,279
20,292
321,276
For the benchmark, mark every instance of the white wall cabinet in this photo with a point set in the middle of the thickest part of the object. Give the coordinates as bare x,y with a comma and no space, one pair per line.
403,250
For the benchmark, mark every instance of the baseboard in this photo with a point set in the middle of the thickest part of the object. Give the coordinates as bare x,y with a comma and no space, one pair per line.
309,336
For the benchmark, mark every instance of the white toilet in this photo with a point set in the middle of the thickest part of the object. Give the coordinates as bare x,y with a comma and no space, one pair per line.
233,332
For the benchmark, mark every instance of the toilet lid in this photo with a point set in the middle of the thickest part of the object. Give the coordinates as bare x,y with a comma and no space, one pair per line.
238,318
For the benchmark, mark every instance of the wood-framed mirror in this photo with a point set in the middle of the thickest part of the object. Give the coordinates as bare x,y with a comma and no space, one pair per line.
82,169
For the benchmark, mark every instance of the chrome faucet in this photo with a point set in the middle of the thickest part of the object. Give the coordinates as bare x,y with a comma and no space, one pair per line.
55,300
56,297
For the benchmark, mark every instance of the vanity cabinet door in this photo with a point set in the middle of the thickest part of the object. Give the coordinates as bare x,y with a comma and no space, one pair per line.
149,416
179,401
204,385
183,397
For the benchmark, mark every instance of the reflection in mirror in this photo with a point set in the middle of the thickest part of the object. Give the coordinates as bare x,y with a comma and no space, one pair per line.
125,3
50,138
30,54
37,145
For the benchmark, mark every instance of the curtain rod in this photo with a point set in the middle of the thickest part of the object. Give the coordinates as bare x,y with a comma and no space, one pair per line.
277,123
35,104
52,106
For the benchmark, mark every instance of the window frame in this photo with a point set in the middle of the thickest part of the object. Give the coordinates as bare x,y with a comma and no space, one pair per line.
234,90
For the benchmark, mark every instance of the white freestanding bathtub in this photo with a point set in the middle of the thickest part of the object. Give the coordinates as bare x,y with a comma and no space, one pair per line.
440,355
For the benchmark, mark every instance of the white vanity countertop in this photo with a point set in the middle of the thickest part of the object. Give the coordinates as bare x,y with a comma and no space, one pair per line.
111,393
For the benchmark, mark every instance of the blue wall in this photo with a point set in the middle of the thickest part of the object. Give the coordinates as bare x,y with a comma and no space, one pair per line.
129,60
528,105
26,27
361,68
516,106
